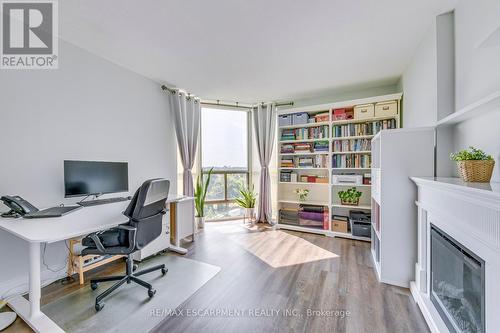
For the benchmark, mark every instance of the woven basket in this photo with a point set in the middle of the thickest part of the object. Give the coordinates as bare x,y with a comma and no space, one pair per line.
347,203
476,171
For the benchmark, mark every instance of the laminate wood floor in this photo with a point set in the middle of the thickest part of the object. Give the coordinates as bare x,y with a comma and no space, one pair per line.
279,281
295,273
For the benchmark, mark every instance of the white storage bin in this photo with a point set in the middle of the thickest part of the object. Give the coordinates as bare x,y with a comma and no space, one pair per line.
347,179
364,111
300,118
386,109
285,120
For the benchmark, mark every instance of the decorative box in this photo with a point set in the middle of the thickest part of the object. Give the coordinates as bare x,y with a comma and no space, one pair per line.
364,111
340,223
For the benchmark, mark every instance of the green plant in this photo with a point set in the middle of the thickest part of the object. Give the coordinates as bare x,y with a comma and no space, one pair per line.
471,154
200,193
302,192
248,197
350,196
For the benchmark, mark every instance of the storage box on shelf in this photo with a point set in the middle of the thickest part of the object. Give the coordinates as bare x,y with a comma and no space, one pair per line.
321,142
397,155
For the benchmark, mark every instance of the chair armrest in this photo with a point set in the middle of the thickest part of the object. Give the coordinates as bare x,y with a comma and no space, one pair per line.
131,235
97,242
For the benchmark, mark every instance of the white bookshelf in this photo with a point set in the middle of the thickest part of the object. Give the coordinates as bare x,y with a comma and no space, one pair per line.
393,195
326,194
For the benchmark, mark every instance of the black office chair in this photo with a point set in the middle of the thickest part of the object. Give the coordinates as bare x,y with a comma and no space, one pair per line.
145,213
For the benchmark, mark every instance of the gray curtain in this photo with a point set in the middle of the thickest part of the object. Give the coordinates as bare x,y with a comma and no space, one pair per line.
264,122
186,110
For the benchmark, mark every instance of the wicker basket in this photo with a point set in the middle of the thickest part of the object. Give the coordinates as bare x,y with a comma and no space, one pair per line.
349,203
476,171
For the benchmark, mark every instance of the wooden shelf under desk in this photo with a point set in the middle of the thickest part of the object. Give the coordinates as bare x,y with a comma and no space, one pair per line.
76,263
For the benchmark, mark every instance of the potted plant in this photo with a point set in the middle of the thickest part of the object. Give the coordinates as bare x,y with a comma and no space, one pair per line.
302,193
247,201
350,197
474,165
200,193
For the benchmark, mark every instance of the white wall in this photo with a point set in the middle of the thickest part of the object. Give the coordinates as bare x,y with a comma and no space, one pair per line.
88,109
477,67
419,82
477,72
349,93
476,76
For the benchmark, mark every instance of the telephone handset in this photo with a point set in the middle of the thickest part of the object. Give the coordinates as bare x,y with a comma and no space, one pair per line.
18,206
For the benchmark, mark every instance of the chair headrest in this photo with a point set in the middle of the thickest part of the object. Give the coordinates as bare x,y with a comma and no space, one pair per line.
149,199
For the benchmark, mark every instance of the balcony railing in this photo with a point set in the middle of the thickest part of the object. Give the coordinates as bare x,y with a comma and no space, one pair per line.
223,189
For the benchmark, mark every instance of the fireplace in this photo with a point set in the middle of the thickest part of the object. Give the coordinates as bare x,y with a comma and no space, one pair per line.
457,284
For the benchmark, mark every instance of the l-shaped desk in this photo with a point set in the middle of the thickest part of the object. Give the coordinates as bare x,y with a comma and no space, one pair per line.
79,223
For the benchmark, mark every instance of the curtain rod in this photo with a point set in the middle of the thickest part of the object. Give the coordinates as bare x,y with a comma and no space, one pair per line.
242,106
235,105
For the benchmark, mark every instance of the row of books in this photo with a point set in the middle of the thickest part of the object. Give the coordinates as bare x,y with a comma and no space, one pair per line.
351,145
351,161
293,177
320,132
287,162
321,146
316,161
369,128
304,147
384,124
287,148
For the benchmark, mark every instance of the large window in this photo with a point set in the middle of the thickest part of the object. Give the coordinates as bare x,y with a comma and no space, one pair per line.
224,147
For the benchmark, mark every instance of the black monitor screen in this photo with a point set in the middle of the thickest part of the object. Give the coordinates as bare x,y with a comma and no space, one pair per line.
85,178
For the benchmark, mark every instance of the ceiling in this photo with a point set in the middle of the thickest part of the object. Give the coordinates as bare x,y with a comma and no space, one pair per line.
254,50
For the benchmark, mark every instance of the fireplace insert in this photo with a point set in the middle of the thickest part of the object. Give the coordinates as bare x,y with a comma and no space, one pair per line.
457,284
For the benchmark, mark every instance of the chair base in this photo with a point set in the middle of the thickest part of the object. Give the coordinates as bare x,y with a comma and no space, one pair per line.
131,276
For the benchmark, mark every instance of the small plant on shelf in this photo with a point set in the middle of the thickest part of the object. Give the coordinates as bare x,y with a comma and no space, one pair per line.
302,193
474,165
350,197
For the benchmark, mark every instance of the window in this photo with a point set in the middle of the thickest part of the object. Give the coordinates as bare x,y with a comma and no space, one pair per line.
224,147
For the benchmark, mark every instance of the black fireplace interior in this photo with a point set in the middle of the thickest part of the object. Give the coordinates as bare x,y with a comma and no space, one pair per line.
457,284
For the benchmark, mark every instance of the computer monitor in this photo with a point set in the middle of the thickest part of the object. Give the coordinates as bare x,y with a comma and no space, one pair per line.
93,178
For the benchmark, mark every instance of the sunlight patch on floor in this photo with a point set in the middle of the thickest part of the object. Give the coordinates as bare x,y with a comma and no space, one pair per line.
280,249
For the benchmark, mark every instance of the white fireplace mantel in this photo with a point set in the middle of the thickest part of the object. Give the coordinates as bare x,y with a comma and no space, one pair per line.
470,213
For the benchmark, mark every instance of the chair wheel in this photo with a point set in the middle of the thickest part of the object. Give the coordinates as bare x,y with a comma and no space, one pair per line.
151,292
135,267
99,306
93,286
164,271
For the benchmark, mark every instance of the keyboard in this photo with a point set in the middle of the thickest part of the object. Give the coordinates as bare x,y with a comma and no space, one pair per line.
101,201
52,212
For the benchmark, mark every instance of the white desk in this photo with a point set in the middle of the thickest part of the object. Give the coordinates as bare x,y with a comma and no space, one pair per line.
49,230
